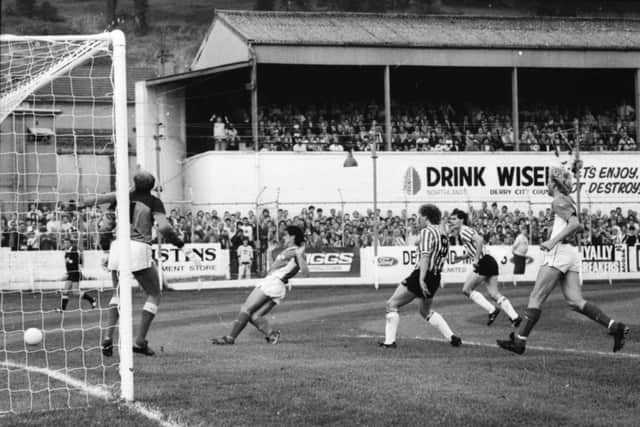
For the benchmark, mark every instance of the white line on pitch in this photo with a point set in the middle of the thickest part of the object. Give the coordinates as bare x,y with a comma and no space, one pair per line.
95,391
530,347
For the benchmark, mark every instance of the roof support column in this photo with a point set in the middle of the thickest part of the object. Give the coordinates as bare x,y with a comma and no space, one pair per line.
387,106
637,98
254,103
514,108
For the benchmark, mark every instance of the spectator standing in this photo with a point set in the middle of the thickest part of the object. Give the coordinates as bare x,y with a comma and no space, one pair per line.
519,249
631,239
245,259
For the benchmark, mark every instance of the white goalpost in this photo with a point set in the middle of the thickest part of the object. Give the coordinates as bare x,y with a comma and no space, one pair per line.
63,138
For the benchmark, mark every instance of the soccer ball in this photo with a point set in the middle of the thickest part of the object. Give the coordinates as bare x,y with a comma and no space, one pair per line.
33,336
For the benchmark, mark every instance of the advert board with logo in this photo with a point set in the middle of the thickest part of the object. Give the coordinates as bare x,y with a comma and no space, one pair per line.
211,261
598,263
330,262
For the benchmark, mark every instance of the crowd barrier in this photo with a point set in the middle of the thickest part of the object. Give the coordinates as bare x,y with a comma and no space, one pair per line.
331,266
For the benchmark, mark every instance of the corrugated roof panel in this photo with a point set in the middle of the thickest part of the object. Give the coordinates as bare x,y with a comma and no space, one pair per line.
302,28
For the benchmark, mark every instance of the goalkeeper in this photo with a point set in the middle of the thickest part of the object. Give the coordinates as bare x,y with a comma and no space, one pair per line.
145,209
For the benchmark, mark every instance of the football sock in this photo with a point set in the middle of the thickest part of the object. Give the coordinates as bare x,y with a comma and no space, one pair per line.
149,311
438,322
593,312
391,327
261,324
239,324
113,320
479,299
506,306
531,316
64,302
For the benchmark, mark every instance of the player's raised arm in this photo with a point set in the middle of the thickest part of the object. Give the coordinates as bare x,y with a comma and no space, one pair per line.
171,236
99,199
167,231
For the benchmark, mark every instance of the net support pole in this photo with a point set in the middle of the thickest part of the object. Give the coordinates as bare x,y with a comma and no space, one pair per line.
122,197
157,136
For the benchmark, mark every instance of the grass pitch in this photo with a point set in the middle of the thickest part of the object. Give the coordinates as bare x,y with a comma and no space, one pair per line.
328,370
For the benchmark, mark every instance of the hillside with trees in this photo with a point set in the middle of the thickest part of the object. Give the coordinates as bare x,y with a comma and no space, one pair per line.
166,33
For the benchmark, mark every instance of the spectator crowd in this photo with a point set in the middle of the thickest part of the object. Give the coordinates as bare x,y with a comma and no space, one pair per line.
42,228
417,127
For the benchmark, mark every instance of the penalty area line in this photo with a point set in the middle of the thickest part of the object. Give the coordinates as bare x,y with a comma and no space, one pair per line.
95,391
530,347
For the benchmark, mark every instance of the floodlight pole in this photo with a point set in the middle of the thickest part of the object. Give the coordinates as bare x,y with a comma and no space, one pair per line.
637,98
374,158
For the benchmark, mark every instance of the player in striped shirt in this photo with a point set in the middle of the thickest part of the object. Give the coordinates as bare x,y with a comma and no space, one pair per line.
423,282
271,290
562,264
485,270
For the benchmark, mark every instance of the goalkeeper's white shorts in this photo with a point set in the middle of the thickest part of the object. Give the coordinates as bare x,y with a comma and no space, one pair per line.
139,259
274,288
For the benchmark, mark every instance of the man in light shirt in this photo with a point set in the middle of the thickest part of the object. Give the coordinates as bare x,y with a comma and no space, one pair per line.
245,258
519,251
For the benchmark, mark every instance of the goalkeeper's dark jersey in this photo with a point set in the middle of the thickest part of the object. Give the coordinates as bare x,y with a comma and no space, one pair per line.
141,210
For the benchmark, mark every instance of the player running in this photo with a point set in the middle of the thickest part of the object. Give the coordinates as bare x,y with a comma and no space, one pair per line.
270,291
562,264
145,209
485,270
72,261
423,282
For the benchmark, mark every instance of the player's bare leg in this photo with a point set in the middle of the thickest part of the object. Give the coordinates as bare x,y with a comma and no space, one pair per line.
401,297
258,319
572,290
502,301
254,302
545,282
469,289
437,321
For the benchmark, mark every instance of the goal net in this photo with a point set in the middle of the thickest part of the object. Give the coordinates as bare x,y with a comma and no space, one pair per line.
63,139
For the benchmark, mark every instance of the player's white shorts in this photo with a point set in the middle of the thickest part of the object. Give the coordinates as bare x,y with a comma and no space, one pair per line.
564,257
140,258
274,288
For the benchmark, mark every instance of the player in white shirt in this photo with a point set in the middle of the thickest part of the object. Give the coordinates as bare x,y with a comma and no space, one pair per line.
562,264
271,290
